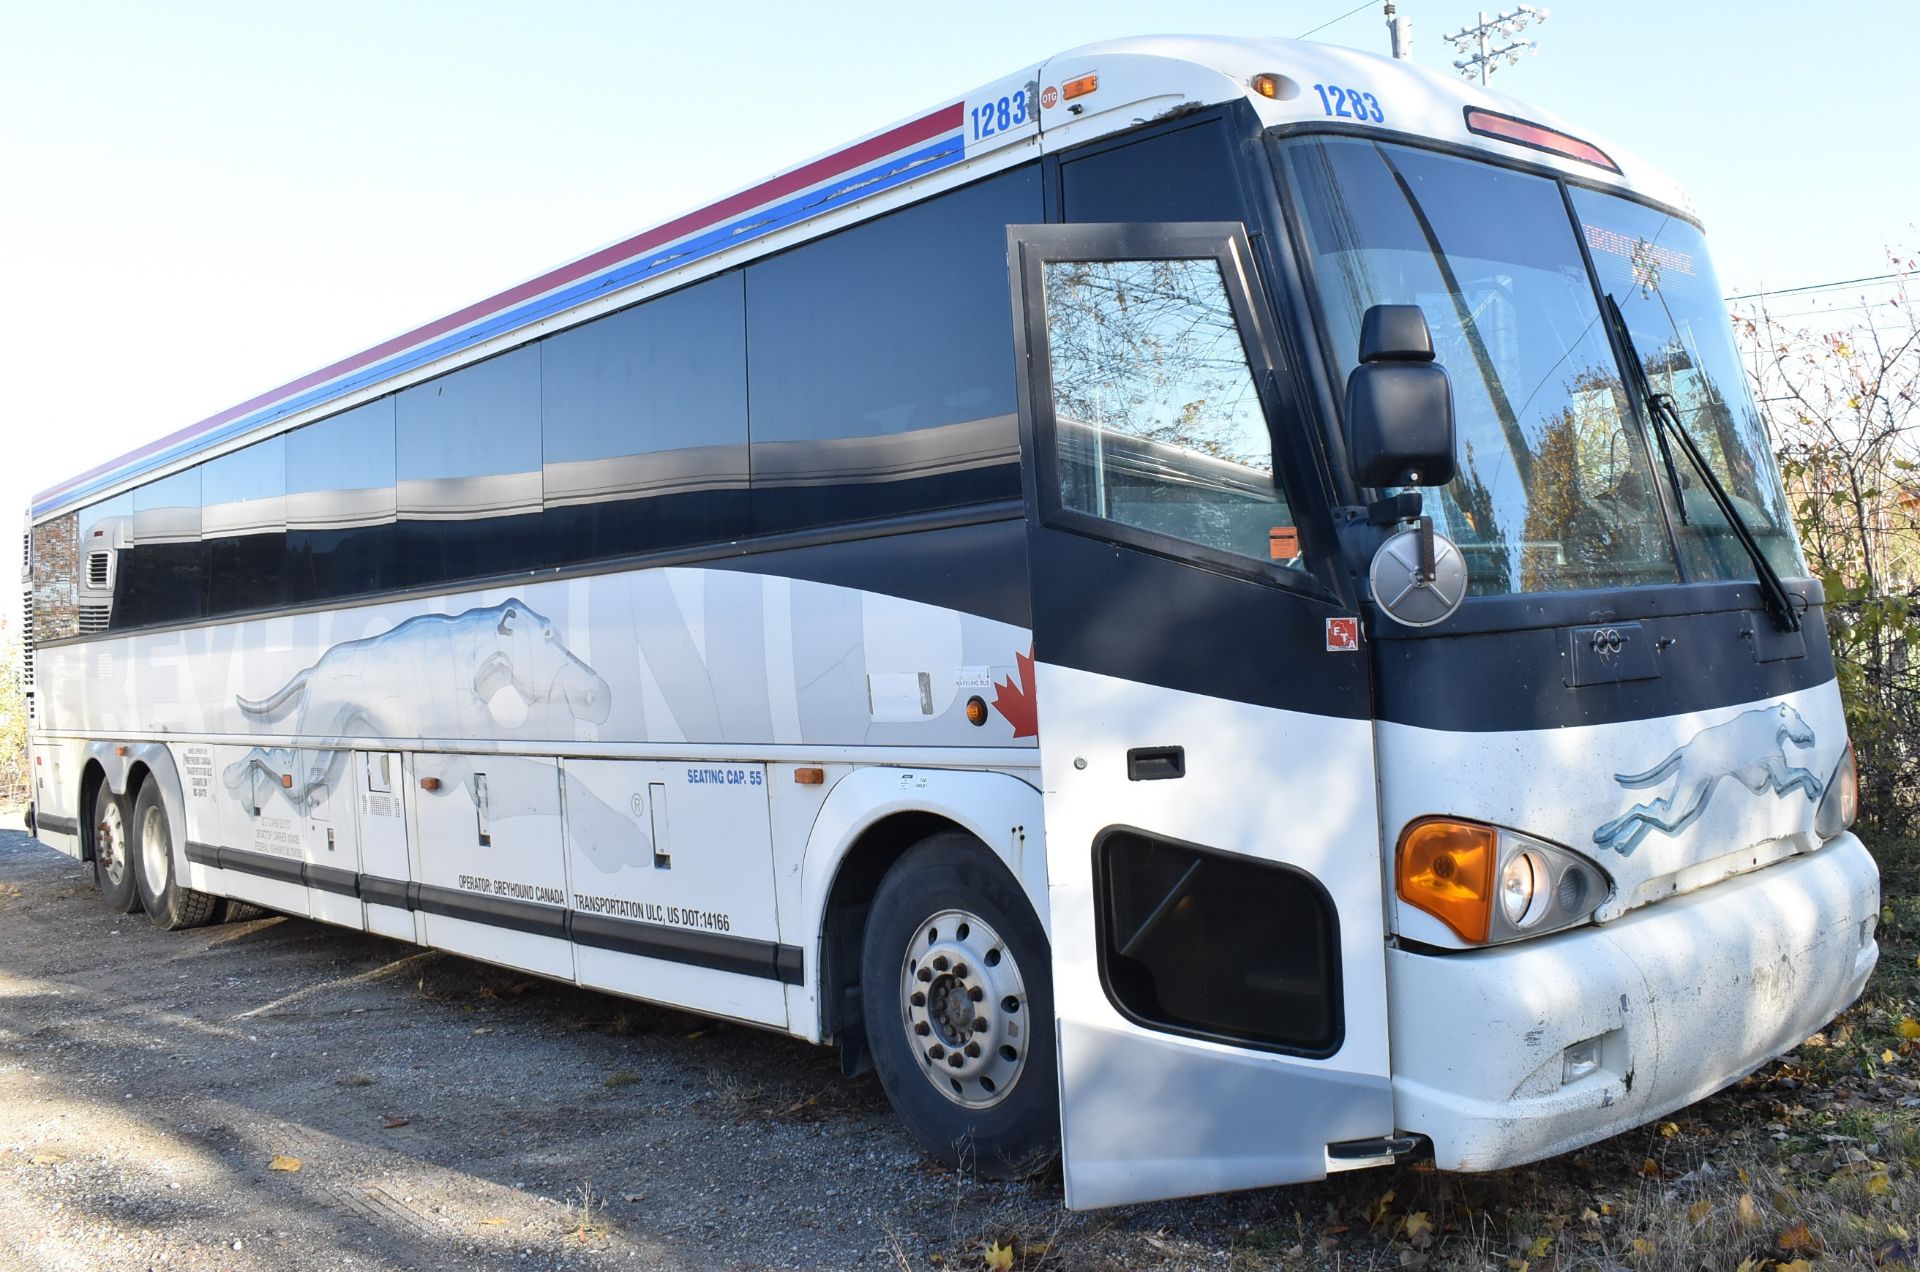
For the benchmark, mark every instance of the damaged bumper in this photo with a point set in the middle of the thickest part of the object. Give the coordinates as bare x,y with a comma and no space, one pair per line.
1509,1055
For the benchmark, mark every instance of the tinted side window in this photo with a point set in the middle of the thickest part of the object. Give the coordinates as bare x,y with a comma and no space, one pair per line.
1188,175
104,546
340,505
243,519
644,417
467,459
881,363
164,575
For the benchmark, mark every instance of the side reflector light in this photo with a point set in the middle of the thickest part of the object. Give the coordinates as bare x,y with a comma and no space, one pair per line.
1520,132
1446,868
1266,85
1079,86
810,776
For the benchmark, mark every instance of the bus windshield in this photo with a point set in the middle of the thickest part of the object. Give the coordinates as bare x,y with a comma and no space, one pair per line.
1558,487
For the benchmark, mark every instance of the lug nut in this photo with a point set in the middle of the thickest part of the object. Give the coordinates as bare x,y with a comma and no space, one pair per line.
924,975
940,963
922,1028
936,1051
960,970
976,993
973,1048
919,999
954,1060
979,1024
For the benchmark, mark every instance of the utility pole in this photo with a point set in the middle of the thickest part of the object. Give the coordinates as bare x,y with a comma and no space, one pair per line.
1479,41
1400,34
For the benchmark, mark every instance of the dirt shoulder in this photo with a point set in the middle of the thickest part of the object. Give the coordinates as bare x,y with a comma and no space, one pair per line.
447,1114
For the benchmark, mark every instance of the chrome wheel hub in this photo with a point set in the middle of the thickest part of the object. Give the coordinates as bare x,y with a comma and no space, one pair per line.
964,1006
109,842
156,849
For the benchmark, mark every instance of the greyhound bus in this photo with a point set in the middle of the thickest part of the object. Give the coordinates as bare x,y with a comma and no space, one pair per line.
1215,609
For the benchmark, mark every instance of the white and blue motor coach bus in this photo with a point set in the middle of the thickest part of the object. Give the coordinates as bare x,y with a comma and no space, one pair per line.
1219,609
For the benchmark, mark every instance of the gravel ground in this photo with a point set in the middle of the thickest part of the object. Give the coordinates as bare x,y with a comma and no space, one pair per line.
448,1114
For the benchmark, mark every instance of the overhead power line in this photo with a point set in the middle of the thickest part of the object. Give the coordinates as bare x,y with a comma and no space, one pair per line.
1820,287
1330,21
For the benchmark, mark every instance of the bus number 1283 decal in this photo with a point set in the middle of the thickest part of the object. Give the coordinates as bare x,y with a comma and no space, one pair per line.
1000,116
1347,103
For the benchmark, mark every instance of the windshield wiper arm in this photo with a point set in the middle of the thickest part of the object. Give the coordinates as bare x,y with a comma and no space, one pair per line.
1666,424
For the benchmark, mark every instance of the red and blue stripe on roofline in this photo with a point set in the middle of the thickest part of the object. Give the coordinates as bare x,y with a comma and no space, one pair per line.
898,155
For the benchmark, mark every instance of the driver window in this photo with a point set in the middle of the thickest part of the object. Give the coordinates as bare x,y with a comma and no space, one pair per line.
1157,422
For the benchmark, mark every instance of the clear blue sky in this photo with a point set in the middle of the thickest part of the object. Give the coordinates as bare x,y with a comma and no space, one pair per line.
203,200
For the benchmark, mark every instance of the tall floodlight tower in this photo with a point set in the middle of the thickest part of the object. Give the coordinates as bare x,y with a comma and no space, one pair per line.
1482,42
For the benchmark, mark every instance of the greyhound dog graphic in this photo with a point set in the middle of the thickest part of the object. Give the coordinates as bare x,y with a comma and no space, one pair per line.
431,676
1750,749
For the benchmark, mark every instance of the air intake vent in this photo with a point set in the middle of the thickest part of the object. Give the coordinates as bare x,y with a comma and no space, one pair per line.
98,566
26,644
94,618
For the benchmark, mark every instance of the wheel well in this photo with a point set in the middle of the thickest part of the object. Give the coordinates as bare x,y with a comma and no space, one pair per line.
845,927
90,778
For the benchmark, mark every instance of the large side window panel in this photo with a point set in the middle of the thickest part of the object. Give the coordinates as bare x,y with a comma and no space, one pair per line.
164,576
645,426
880,378
340,505
467,459
243,519
1217,946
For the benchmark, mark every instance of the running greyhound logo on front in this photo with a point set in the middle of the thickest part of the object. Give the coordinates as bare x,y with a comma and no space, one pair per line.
1751,749
432,676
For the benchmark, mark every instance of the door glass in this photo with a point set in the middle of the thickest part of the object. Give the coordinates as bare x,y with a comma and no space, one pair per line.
1156,419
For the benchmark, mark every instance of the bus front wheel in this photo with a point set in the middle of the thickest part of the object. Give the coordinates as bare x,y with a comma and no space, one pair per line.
170,903
113,850
957,996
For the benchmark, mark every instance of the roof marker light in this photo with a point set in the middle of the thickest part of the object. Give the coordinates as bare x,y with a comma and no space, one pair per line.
1276,87
1079,86
1520,132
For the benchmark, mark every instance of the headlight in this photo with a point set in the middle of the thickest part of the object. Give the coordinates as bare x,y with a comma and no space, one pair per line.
1488,884
1841,804
1524,888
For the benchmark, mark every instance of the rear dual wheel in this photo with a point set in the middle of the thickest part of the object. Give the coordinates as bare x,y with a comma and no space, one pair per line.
168,901
113,851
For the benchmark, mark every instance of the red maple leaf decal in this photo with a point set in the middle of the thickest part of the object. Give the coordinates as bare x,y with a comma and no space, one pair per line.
1013,697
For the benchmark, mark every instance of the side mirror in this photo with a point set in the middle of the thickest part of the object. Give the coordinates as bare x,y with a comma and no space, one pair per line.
1399,403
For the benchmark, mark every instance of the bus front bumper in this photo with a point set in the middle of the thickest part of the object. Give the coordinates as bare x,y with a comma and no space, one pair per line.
1668,1004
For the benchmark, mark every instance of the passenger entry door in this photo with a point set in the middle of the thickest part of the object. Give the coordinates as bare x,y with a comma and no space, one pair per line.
1206,753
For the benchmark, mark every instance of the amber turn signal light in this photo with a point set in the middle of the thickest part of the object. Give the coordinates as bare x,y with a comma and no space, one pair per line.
976,710
810,776
1079,86
1446,868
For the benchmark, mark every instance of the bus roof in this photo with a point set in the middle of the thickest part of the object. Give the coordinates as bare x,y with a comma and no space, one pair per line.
1068,99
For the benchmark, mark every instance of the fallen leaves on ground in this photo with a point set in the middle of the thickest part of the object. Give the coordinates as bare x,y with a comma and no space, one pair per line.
283,1162
999,1257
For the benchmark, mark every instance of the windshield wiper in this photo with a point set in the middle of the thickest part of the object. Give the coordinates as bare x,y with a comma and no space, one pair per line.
1666,424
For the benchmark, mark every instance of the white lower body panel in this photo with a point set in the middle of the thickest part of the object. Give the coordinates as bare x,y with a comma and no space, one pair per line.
1687,996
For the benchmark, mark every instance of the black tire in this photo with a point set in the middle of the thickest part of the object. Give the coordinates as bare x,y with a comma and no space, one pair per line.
110,829
169,902
227,910
951,1104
